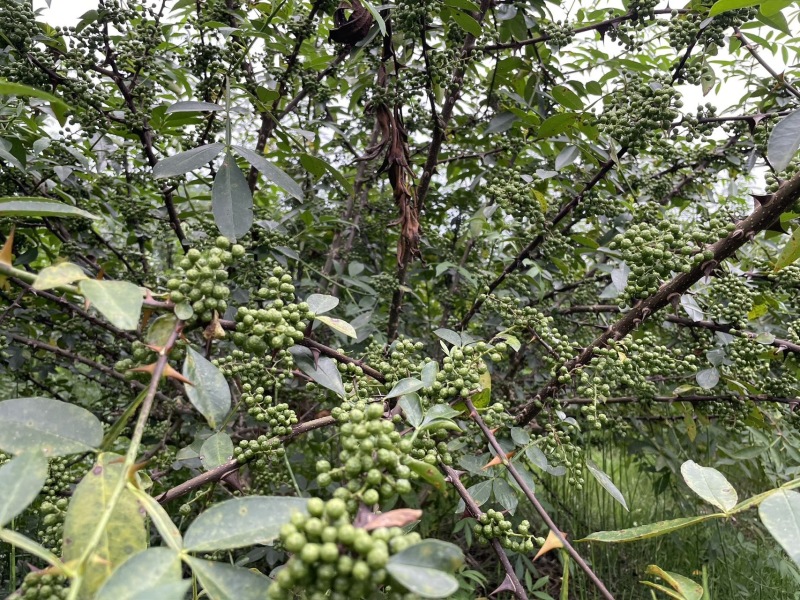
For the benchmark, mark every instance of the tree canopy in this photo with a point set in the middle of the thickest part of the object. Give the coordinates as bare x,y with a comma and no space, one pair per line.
434,298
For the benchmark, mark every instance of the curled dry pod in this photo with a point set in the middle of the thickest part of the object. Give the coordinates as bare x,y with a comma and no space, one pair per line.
350,30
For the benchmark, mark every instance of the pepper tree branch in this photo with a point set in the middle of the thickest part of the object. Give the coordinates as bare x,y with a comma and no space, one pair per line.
781,344
760,219
517,588
487,433
232,465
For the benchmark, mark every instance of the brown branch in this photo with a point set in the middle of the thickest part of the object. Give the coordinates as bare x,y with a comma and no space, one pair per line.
487,433
517,588
780,78
760,219
218,473
81,359
781,344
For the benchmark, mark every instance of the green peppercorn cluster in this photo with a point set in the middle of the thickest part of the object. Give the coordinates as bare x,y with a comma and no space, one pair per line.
492,525
404,359
141,354
279,324
560,33
261,448
461,372
643,10
695,126
53,512
729,299
332,558
496,415
513,191
40,585
653,252
409,16
555,347
639,111
203,283
372,457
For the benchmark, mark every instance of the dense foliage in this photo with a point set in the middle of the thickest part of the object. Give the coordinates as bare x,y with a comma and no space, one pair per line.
437,298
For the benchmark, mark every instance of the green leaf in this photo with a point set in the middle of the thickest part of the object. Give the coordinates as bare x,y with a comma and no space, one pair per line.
118,301
556,125
321,303
725,5
123,536
784,141
426,568
8,88
160,329
606,482
30,206
776,21
209,392
405,386
317,167
688,589
21,480
644,532
166,528
411,407
141,573
790,252
566,157
216,450
226,582
325,372
707,378
53,427
184,311
241,522
193,106
376,15
710,485
33,548
780,514
231,200
449,336
181,163
338,325
772,7
505,495
61,274
567,98
663,589
467,23
429,372
271,172
428,472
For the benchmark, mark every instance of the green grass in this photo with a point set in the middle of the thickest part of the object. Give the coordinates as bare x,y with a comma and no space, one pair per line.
741,559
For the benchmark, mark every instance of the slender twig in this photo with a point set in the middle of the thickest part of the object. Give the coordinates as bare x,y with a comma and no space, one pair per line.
781,79
487,433
517,588
220,472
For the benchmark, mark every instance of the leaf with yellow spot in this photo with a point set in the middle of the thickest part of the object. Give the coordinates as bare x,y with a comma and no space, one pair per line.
124,535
